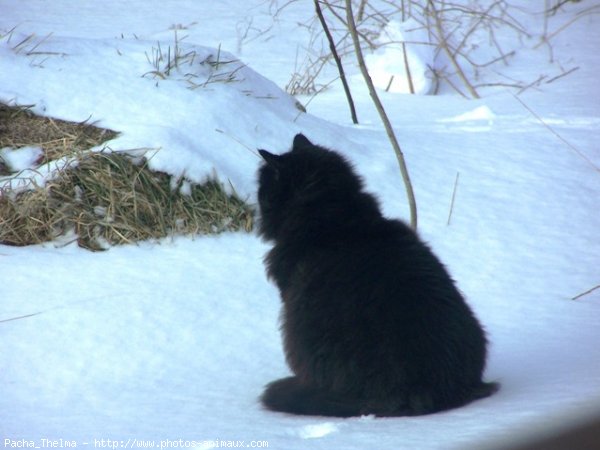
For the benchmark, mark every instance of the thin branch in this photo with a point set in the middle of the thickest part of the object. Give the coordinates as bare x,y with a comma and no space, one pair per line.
20,317
361,10
341,19
562,75
444,44
552,10
314,95
384,118
555,133
411,86
453,198
338,61
483,16
547,37
586,292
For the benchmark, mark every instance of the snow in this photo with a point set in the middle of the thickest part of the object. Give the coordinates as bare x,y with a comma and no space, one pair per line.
388,66
175,339
20,159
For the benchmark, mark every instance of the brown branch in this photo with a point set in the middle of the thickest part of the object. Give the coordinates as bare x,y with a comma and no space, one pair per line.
341,19
338,61
384,118
443,39
361,10
411,86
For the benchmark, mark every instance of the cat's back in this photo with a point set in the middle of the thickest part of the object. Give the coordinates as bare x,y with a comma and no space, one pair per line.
387,270
383,248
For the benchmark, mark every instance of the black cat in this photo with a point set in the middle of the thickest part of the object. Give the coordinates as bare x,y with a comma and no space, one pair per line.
372,322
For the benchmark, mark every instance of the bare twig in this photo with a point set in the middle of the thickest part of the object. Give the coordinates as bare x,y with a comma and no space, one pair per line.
338,62
586,292
555,133
453,198
389,85
313,96
552,10
384,118
568,72
443,40
411,86
344,22
229,135
20,317
548,36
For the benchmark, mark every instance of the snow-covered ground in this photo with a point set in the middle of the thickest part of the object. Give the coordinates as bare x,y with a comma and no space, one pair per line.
175,339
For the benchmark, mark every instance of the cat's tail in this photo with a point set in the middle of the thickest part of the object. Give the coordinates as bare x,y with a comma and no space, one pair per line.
290,396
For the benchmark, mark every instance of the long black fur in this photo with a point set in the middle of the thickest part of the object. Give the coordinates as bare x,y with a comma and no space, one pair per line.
372,322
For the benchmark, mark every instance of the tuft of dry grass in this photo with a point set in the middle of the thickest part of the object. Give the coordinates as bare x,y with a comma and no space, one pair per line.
31,217
105,197
20,127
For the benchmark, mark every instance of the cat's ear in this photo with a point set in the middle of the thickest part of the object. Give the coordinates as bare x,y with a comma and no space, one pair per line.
301,142
271,159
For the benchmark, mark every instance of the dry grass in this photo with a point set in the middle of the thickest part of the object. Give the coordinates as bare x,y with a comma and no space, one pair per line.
106,198
19,127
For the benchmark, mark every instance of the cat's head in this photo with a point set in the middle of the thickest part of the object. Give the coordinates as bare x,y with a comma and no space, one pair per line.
309,186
